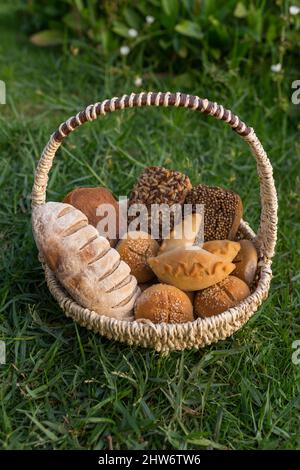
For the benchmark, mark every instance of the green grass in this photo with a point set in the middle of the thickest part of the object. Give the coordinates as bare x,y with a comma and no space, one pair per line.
64,387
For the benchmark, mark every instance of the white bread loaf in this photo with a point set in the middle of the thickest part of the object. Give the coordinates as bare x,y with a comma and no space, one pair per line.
83,261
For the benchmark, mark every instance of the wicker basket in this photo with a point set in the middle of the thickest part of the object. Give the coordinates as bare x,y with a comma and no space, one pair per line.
167,337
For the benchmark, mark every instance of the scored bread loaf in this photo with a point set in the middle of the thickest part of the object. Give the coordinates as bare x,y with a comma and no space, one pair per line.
83,261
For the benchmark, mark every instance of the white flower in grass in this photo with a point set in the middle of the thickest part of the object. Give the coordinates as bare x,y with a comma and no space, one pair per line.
294,10
132,33
124,50
138,81
276,68
149,19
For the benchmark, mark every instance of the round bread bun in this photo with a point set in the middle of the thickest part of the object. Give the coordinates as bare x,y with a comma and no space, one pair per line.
219,297
164,303
89,201
246,262
135,250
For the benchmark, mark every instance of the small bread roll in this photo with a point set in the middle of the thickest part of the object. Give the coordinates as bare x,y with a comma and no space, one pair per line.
135,251
246,262
184,233
224,249
218,298
163,303
190,268
89,201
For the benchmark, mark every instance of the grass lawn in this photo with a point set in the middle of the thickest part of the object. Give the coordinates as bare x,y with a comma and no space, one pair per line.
64,387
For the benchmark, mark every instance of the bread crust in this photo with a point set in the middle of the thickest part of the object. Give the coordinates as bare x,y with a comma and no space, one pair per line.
246,262
83,261
135,250
89,200
164,303
218,298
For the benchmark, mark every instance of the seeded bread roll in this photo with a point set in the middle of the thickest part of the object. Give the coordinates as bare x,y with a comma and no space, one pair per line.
135,251
246,262
157,185
220,297
89,201
83,261
190,268
163,303
224,249
223,210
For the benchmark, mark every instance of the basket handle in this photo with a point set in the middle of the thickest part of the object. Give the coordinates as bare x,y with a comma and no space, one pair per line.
267,232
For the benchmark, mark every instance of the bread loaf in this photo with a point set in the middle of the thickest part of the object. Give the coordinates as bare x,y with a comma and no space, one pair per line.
190,268
83,261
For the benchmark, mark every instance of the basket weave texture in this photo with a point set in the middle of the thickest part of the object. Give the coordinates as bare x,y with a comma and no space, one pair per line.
167,337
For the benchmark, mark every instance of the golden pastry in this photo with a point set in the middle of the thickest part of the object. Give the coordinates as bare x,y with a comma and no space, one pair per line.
190,268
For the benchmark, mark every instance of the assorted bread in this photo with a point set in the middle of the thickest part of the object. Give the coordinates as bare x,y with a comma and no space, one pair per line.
198,268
